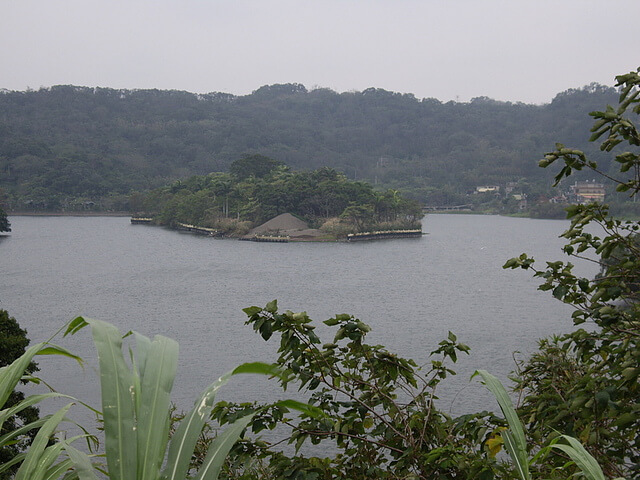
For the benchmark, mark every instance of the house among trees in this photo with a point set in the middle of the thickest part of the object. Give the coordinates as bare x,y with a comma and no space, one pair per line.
588,192
487,188
521,198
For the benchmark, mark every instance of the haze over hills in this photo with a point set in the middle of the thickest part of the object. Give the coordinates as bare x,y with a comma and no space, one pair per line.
66,146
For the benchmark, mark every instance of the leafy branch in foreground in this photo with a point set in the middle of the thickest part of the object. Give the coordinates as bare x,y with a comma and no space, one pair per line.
379,412
586,384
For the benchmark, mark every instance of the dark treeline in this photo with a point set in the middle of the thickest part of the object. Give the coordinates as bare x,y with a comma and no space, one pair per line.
78,147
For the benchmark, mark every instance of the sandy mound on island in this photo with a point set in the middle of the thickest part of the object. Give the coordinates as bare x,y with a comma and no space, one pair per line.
285,225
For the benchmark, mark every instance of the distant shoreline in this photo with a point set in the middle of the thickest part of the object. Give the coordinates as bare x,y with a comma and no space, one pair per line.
68,214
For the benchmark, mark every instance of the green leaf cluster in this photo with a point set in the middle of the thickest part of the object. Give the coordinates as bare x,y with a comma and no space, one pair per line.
378,408
586,384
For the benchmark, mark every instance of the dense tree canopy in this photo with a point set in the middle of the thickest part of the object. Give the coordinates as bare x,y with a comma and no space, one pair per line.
68,147
222,200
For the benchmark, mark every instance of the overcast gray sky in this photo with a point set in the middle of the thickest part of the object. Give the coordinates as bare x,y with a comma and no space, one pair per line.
516,50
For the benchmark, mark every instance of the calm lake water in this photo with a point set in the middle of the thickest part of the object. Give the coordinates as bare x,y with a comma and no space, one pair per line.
157,281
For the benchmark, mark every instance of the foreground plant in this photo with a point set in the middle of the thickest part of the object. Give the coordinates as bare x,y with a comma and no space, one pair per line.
137,409
380,415
47,457
515,442
586,384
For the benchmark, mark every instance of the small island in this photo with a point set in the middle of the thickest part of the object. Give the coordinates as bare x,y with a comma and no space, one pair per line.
263,199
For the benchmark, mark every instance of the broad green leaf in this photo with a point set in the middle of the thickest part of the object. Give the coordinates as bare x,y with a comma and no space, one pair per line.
117,385
583,459
36,455
155,404
143,345
219,449
272,306
81,462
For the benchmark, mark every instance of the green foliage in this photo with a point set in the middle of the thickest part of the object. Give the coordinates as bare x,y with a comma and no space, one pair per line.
586,383
5,225
379,412
43,457
13,343
253,166
516,444
224,201
77,148
137,410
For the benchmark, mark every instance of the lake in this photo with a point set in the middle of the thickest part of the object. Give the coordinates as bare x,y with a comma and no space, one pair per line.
191,288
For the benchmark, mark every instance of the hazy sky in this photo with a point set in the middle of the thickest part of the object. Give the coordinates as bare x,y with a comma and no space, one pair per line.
517,50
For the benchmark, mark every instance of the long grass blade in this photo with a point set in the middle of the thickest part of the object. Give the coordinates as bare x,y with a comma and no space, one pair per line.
184,440
309,410
7,437
51,349
116,381
56,471
11,374
155,402
46,461
219,449
81,463
27,402
583,459
14,461
38,446
514,439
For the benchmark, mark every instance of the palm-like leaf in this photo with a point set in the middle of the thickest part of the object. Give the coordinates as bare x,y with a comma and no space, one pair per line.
514,439
40,459
583,459
136,406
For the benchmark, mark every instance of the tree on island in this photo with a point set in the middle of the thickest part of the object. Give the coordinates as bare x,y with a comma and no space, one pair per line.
257,166
259,188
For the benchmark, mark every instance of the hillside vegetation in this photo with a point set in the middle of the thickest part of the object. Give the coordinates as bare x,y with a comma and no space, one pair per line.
73,148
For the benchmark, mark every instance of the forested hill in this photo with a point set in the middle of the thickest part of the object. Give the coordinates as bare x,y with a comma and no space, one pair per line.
69,144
